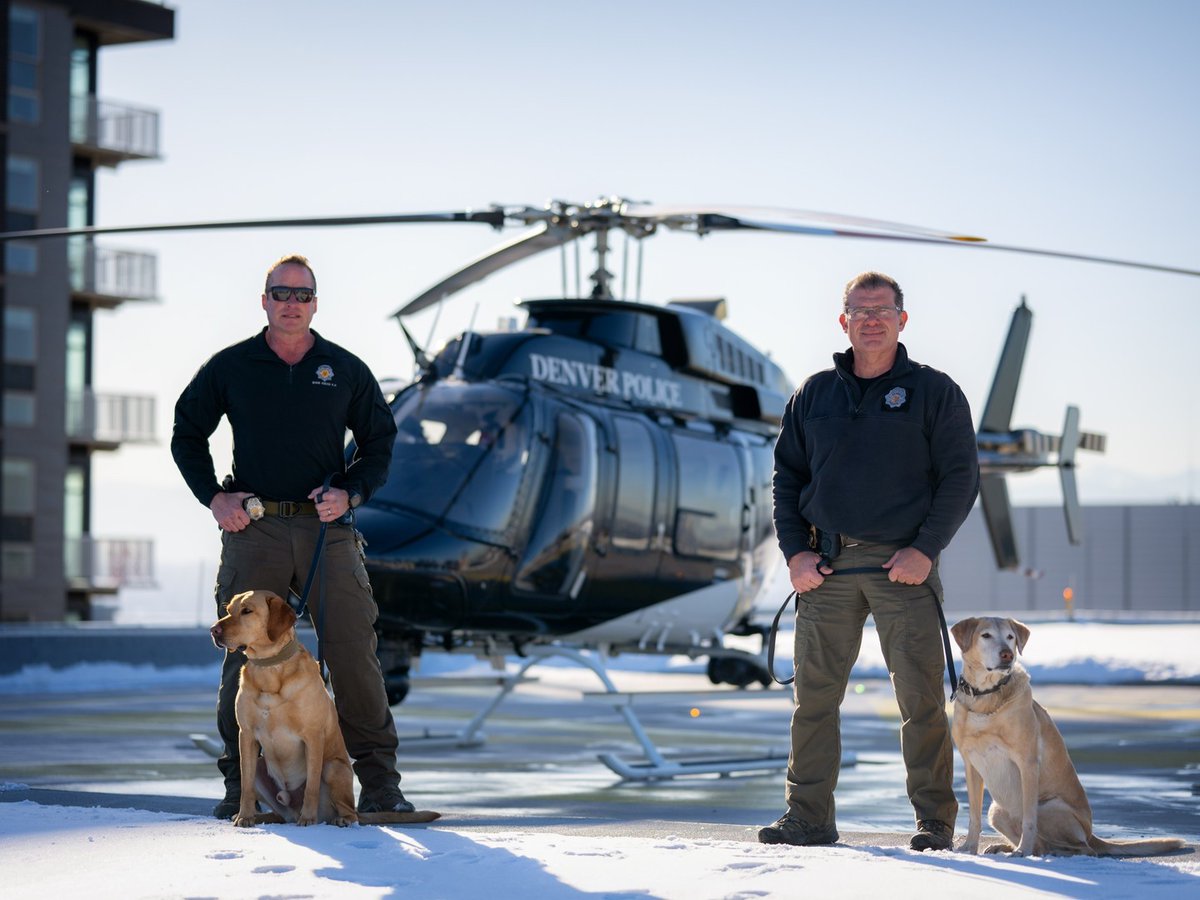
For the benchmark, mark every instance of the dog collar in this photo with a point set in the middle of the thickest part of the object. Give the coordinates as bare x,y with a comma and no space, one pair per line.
964,685
290,649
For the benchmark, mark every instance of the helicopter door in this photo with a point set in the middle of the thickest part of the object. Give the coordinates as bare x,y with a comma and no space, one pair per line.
711,507
552,563
637,531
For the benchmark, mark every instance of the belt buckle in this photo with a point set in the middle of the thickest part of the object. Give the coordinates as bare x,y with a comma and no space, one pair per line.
288,508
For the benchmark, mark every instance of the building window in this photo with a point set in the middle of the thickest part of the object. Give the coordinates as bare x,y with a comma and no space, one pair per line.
24,64
20,334
20,258
19,408
17,561
23,188
75,502
18,486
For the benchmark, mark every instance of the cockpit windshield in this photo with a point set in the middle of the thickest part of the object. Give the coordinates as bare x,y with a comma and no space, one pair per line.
460,452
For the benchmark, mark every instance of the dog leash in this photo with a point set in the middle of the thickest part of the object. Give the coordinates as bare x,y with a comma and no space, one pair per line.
301,605
858,570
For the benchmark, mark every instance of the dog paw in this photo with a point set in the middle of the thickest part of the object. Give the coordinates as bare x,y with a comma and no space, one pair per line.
968,847
242,820
343,821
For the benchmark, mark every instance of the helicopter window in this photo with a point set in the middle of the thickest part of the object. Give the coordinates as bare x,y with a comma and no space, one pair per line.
616,329
647,339
564,523
460,453
710,495
635,486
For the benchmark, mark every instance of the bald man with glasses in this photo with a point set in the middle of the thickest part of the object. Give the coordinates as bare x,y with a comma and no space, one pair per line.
876,467
289,396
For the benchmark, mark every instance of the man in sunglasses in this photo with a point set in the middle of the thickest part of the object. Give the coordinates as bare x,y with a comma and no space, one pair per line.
289,396
876,467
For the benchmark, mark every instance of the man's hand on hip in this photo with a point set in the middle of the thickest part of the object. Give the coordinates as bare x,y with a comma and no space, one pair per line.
908,566
805,573
227,509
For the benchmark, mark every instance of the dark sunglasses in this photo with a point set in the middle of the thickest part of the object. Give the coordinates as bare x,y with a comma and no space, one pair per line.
281,294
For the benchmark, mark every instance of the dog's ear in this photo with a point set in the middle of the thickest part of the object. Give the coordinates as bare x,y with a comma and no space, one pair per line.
280,617
962,632
234,599
1022,631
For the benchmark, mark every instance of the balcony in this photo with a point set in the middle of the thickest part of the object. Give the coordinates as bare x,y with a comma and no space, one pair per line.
105,565
105,278
105,421
111,133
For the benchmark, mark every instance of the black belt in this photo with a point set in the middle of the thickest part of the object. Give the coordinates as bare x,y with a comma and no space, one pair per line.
286,509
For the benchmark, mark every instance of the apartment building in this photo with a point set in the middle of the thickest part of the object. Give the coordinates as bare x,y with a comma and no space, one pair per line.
58,131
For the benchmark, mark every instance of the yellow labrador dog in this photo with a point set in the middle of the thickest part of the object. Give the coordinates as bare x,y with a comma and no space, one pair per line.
304,773
1010,746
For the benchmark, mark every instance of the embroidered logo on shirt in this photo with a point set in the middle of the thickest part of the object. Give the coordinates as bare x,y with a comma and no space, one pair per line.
895,398
325,375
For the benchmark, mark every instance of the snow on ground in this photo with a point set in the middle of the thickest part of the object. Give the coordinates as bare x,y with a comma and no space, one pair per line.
128,854
53,851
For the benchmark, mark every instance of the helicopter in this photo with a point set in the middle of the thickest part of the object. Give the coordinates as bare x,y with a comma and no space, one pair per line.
601,478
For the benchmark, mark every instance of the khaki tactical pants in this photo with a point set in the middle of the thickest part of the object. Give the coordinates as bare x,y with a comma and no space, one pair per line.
829,625
274,553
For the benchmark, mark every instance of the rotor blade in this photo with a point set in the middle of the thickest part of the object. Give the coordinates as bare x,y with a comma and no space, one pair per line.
818,224
494,217
767,218
1072,510
543,237
1084,257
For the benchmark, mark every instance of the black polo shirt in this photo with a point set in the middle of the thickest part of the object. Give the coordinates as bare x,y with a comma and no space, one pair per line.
289,422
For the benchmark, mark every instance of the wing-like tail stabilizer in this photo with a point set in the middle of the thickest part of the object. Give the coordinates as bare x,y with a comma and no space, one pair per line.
997,515
997,413
1066,470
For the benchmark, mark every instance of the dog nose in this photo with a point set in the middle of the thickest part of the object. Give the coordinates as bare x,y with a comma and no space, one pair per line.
1006,655
215,633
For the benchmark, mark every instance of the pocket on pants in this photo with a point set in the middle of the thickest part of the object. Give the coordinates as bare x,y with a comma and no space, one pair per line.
223,590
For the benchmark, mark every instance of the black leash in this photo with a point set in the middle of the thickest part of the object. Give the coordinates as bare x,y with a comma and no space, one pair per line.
300,605
946,647
858,570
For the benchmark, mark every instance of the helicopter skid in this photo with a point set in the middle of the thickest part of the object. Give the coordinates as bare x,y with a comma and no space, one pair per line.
661,771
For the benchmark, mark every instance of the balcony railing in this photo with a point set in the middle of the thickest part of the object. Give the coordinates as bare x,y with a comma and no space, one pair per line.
108,276
110,419
112,132
107,564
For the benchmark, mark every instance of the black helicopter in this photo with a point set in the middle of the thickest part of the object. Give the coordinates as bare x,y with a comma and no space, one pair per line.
601,478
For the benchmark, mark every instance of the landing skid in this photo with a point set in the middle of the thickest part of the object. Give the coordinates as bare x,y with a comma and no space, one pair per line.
656,767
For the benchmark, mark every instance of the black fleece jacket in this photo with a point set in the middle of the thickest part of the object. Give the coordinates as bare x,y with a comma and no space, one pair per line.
289,422
896,464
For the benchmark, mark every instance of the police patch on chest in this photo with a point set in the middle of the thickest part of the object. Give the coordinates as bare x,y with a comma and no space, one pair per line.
895,399
324,374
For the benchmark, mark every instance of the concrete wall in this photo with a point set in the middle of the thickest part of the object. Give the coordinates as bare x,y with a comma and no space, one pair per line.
1133,559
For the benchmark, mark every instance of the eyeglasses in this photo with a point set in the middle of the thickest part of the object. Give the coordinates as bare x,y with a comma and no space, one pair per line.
282,294
862,313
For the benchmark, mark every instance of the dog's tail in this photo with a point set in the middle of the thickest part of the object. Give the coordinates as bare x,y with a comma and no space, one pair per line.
1145,847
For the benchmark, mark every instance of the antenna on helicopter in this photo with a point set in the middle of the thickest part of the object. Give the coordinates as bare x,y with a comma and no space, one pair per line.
424,363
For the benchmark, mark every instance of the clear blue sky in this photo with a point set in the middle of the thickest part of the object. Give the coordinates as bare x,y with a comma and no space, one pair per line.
1067,125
